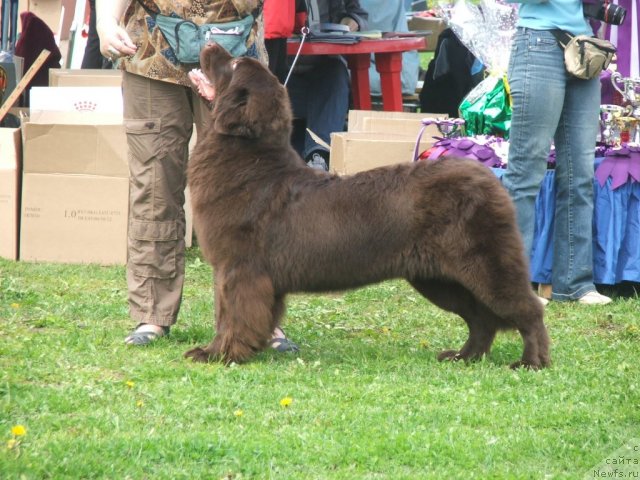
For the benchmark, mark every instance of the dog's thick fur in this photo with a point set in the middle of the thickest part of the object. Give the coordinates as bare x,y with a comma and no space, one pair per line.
270,225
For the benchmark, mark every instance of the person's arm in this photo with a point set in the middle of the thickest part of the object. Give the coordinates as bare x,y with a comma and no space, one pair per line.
114,40
356,16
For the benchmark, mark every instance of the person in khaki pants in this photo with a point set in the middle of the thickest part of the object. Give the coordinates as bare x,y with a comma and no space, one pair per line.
160,109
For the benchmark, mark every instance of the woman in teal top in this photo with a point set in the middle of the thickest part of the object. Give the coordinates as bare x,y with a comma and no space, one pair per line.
549,105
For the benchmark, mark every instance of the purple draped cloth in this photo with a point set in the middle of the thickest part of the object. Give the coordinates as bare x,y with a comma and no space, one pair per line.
465,147
485,149
626,37
620,164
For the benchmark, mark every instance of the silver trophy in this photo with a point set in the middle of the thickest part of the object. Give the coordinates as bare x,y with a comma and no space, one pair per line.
450,127
629,88
609,124
630,130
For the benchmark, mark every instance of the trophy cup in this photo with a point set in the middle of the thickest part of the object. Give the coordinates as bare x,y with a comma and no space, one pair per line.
630,130
449,127
609,125
630,91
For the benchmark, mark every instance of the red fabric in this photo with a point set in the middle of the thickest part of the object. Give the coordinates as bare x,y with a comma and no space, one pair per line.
35,37
279,18
301,21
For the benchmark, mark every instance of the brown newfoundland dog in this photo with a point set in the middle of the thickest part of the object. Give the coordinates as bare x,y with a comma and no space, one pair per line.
270,225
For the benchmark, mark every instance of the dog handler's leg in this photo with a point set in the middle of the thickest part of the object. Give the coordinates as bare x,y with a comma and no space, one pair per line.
244,315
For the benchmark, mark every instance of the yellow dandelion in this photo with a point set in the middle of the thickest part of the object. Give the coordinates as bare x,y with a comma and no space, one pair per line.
424,344
15,305
11,444
238,413
139,404
286,401
18,430
129,384
386,330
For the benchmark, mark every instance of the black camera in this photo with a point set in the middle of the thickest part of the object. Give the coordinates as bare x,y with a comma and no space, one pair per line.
604,11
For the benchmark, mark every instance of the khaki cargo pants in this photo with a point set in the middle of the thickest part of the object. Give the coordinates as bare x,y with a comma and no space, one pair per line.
158,118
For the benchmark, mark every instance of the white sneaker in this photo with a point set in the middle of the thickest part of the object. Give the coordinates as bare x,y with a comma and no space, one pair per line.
594,298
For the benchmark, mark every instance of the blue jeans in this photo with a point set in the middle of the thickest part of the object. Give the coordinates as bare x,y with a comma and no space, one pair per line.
320,96
550,105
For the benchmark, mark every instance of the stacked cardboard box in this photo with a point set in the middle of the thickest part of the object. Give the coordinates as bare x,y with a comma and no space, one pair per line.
374,139
432,26
75,185
67,77
10,164
75,181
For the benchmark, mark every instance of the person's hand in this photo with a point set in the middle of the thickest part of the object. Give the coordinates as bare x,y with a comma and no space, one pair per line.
114,40
202,85
351,23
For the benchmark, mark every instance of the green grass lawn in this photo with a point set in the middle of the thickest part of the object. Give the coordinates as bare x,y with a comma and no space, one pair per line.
364,399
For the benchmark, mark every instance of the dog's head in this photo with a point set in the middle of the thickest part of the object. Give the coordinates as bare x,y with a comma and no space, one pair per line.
249,100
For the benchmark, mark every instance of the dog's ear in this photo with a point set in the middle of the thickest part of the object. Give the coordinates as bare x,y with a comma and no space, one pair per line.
252,104
231,113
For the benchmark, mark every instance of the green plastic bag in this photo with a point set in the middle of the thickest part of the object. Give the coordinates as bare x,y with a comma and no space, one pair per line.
486,109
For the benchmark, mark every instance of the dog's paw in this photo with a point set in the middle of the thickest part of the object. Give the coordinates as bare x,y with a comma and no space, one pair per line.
449,355
201,355
526,365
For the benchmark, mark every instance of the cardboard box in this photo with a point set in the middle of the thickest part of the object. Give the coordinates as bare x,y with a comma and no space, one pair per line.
75,194
75,189
74,218
363,120
433,25
399,127
59,148
353,152
80,104
67,77
10,172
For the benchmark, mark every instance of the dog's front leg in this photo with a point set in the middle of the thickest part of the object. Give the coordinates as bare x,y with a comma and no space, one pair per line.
244,300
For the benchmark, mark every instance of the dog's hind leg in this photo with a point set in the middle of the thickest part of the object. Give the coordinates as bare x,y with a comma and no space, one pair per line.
245,306
507,293
455,298
536,340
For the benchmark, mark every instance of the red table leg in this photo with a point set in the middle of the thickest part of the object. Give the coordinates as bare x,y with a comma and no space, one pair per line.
360,87
389,65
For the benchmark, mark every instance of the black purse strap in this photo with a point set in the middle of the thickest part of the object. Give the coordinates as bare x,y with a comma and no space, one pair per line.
152,13
562,37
